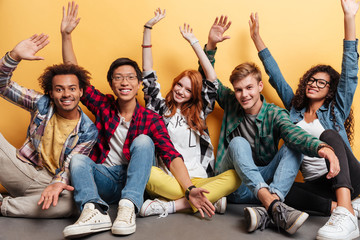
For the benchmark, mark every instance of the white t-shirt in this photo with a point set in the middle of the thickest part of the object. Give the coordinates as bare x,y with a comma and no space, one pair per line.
116,155
187,143
312,167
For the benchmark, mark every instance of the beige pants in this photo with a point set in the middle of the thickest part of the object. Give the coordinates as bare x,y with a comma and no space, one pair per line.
25,184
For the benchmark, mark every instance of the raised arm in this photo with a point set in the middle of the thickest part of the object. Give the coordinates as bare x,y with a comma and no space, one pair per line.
254,32
147,59
208,69
13,92
350,8
217,30
272,69
68,24
345,90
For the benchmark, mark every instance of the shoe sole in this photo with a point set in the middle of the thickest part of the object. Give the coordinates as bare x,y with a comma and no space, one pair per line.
352,235
82,231
123,231
249,215
298,223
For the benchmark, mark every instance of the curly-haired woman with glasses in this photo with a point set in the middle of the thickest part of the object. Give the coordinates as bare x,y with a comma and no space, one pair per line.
322,106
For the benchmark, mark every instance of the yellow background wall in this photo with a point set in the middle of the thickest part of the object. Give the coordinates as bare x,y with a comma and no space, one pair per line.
299,34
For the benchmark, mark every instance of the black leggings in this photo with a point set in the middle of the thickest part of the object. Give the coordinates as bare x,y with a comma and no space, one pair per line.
318,194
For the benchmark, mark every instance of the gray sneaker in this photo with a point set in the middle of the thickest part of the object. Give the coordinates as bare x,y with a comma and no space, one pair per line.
287,217
256,217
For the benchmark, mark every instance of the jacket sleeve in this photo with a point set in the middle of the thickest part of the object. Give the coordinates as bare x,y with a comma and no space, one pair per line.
13,92
152,95
348,78
276,78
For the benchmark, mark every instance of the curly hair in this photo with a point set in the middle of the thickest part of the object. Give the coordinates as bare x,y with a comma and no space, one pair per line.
192,108
300,100
50,72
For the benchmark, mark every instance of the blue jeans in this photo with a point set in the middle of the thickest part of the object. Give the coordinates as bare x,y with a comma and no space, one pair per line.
281,171
106,185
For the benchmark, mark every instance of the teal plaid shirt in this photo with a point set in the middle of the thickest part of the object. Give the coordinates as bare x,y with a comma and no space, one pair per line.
273,123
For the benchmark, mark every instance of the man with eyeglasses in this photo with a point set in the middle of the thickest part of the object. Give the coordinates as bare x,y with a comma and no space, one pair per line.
119,165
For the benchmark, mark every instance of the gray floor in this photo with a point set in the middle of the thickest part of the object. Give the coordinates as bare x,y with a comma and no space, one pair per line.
180,226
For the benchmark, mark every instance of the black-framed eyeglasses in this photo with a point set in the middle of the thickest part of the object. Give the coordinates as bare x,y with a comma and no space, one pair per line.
320,83
119,77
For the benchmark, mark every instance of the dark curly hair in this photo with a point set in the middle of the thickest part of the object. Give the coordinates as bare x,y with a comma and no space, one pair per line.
300,100
50,72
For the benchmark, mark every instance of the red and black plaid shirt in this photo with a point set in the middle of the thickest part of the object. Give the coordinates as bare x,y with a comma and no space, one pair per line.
143,121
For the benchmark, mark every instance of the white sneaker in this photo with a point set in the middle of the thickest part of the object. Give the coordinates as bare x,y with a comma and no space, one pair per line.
90,221
356,206
154,207
341,225
220,205
124,223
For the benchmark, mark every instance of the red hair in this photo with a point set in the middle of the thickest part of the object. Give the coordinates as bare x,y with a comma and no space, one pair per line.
192,108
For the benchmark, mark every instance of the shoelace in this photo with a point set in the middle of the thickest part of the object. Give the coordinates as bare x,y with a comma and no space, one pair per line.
281,216
163,209
264,220
85,215
126,214
336,219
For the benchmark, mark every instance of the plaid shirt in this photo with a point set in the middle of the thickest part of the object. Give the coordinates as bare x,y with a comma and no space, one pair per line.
143,121
272,122
154,101
80,141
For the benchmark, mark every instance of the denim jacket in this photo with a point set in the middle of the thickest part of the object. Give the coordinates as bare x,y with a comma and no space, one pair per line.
80,141
344,95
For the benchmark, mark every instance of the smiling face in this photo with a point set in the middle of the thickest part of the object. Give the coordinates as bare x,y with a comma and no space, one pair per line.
182,91
313,92
66,95
247,92
125,83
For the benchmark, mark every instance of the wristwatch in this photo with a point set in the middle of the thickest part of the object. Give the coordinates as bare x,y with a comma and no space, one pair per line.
187,192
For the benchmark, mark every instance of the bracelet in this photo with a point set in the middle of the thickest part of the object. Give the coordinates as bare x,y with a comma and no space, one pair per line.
145,26
187,192
146,46
192,43
325,145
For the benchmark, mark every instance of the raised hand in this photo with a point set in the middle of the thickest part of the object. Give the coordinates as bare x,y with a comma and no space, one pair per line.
187,33
217,30
199,200
254,25
350,7
158,16
69,20
254,32
27,48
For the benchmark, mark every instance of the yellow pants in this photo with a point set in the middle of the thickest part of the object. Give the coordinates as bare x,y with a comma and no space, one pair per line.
163,185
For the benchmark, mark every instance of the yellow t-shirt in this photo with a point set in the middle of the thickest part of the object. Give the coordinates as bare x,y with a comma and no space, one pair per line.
52,142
